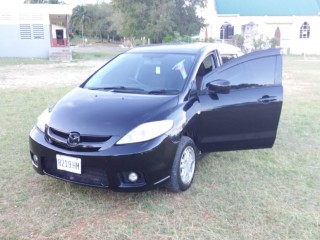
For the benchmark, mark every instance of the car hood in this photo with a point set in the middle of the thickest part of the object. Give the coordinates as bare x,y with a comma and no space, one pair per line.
98,113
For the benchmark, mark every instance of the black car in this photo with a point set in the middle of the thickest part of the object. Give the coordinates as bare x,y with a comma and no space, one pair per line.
144,118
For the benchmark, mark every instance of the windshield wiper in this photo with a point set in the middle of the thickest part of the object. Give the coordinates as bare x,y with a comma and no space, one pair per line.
164,91
119,89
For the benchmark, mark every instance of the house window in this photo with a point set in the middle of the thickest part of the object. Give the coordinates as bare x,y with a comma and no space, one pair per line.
38,31
25,31
226,31
305,30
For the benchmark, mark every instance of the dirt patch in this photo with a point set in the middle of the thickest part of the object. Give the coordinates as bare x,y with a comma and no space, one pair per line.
47,75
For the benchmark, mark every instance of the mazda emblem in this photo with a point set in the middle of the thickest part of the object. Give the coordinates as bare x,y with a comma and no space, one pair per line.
73,139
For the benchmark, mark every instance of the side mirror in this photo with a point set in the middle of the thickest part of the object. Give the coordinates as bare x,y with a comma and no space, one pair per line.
219,86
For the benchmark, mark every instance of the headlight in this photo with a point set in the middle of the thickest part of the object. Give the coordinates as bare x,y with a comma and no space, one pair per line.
43,120
146,131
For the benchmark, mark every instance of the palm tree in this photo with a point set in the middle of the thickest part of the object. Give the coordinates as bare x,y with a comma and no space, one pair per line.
80,16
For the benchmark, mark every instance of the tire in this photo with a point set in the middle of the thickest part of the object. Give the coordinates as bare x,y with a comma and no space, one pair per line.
184,166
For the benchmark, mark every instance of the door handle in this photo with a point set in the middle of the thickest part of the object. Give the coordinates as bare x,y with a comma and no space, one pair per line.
267,99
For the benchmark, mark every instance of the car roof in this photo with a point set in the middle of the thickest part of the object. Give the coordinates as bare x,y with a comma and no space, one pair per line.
188,48
226,49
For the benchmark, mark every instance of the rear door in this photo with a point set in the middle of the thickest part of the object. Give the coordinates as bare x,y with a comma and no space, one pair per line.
247,116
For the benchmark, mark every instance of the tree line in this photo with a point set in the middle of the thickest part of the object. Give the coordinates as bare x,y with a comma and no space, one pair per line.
155,21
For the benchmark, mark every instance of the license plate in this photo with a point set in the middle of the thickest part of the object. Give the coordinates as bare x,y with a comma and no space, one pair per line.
69,164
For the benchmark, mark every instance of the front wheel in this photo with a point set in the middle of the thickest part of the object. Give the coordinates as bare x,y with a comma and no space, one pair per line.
183,167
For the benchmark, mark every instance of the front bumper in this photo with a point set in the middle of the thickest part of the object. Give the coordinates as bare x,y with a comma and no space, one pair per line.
109,168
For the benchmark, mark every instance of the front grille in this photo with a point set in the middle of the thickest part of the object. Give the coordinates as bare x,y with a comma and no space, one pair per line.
87,143
90,176
59,133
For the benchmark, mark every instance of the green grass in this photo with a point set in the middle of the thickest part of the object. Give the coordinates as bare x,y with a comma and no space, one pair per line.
91,55
256,194
22,61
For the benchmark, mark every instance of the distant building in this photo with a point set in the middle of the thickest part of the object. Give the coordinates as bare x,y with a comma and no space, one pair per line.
294,23
35,30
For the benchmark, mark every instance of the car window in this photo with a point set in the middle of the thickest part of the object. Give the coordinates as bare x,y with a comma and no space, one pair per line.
207,62
251,73
205,67
227,57
147,71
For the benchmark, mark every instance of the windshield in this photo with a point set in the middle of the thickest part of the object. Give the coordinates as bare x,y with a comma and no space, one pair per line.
154,73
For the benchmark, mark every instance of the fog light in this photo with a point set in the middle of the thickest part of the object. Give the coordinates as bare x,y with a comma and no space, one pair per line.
35,160
133,177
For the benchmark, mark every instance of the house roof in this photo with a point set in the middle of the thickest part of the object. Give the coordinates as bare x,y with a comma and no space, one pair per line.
269,7
32,13
62,9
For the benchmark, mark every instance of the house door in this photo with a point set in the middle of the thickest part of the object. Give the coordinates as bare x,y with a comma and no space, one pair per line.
277,35
60,37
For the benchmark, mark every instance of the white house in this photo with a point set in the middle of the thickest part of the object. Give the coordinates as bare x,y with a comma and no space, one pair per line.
35,30
295,23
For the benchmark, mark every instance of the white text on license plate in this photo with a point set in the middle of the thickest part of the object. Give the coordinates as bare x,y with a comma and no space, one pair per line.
70,164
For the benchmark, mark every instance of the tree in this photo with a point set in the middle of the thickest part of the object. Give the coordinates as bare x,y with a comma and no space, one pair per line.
101,23
158,18
160,23
132,17
80,17
259,43
238,40
185,16
274,42
94,20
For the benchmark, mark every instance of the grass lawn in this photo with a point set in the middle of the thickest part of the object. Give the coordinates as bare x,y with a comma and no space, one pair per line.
257,194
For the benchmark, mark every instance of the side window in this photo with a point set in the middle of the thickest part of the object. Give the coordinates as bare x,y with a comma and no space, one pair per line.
252,73
206,66
207,62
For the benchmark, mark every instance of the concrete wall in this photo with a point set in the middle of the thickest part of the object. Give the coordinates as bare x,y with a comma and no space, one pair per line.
25,29
11,44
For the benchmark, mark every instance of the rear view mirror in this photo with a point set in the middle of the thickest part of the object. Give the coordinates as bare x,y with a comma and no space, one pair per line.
219,86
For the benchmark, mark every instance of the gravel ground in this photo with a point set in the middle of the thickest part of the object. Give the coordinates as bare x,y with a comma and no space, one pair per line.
47,75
